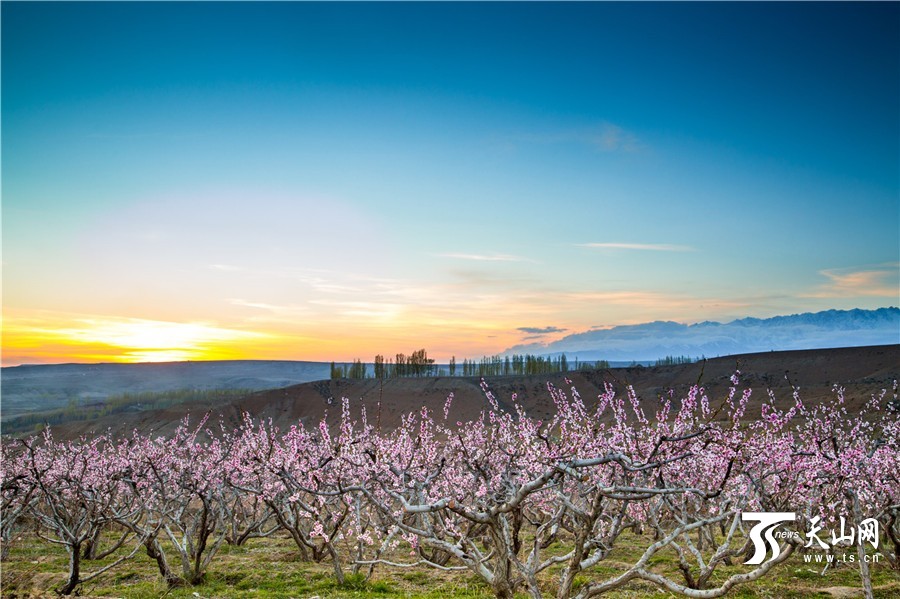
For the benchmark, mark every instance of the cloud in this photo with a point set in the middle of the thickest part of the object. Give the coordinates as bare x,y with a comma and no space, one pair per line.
486,257
290,309
604,136
226,267
877,281
541,330
611,138
634,306
653,247
362,308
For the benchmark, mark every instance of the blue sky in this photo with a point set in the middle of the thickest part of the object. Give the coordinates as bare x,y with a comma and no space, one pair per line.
328,181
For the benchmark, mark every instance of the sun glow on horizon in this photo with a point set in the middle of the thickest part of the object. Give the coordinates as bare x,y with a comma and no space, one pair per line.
112,339
44,337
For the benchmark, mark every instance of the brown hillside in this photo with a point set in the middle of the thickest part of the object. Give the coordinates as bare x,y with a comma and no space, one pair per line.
861,371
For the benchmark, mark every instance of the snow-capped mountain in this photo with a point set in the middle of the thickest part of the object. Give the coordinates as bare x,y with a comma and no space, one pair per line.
649,341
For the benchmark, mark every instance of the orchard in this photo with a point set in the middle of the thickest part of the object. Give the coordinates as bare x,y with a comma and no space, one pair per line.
527,506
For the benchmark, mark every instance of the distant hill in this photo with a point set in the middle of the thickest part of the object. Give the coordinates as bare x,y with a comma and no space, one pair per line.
31,388
862,371
649,341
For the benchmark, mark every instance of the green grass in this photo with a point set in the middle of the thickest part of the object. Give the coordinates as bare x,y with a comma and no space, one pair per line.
270,569
128,402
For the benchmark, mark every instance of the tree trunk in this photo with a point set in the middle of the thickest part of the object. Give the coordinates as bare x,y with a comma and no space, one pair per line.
503,585
893,560
864,573
88,551
74,570
292,530
155,552
338,572
90,545
503,590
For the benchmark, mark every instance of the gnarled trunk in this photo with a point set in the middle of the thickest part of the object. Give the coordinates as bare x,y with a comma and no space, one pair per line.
155,552
74,569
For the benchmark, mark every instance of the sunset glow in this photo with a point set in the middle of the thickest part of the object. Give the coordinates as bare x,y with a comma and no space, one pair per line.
330,181
122,340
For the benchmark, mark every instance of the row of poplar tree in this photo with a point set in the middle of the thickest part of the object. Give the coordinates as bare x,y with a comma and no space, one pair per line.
418,364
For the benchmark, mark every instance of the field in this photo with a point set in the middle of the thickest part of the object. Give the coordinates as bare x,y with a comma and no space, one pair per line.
860,370
270,568
567,495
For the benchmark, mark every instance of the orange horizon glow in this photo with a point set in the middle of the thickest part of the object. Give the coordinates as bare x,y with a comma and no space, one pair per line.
97,339
350,323
54,339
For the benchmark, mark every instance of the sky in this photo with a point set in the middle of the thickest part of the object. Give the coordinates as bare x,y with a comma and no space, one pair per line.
330,181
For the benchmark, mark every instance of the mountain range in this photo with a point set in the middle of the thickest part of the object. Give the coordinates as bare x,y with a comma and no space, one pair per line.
653,340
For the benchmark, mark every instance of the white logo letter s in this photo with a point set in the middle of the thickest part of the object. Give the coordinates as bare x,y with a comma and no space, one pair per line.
767,522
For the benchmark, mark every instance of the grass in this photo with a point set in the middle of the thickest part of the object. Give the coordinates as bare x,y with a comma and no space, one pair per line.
34,422
270,569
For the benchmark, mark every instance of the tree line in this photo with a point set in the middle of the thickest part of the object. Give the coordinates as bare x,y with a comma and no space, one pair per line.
418,364
676,360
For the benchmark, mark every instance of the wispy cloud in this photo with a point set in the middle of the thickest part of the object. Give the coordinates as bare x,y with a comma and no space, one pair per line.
611,137
541,330
486,257
876,281
290,309
226,267
652,247
362,309
642,306
604,136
